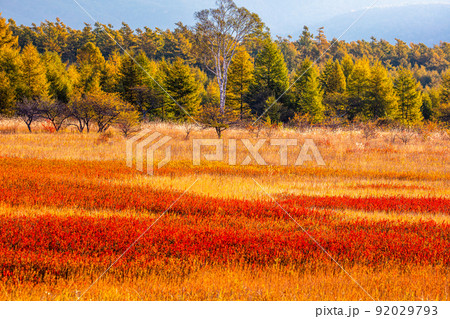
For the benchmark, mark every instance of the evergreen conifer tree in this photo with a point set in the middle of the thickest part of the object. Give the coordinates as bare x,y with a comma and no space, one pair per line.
240,78
33,79
307,91
408,96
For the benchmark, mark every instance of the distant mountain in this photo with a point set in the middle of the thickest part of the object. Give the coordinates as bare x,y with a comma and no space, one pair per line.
428,24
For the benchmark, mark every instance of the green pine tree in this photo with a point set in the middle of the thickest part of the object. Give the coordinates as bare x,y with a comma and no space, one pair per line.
273,111
307,92
408,96
426,108
134,72
270,78
180,83
138,81
332,78
60,84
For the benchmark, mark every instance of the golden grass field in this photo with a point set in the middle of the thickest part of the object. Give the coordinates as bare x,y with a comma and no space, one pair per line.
69,207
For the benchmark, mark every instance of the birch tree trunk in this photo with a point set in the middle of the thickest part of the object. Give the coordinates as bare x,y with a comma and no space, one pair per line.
220,32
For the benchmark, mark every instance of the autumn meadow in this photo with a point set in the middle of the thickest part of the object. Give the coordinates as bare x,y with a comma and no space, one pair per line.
69,207
370,222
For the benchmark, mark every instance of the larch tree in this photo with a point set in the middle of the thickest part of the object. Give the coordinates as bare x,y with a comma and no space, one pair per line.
151,42
332,78
110,75
381,96
9,52
289,51
357,88
240,78
7,96
8,67
220,32
347,66
212,93
409,97
445,88
33,74
307,92
7,39
90,63
105,37
444,97
321,42
334,85
128,37
305,43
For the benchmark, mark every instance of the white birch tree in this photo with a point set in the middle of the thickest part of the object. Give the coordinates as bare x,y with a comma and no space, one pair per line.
220,32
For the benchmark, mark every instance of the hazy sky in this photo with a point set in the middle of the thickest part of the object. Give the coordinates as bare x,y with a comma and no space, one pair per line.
281,16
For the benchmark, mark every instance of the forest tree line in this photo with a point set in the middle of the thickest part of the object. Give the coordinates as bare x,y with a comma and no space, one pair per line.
84,76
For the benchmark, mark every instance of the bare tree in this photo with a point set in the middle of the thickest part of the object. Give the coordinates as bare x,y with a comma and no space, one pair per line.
128,119
406,135
56,112
189,127
220,31
103,109
106,108
82,112
30,110
369,131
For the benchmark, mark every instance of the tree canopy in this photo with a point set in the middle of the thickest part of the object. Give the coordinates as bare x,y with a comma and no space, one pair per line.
228,60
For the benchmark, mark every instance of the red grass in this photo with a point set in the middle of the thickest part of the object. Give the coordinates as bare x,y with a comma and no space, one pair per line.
47,246
51,245
397,204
